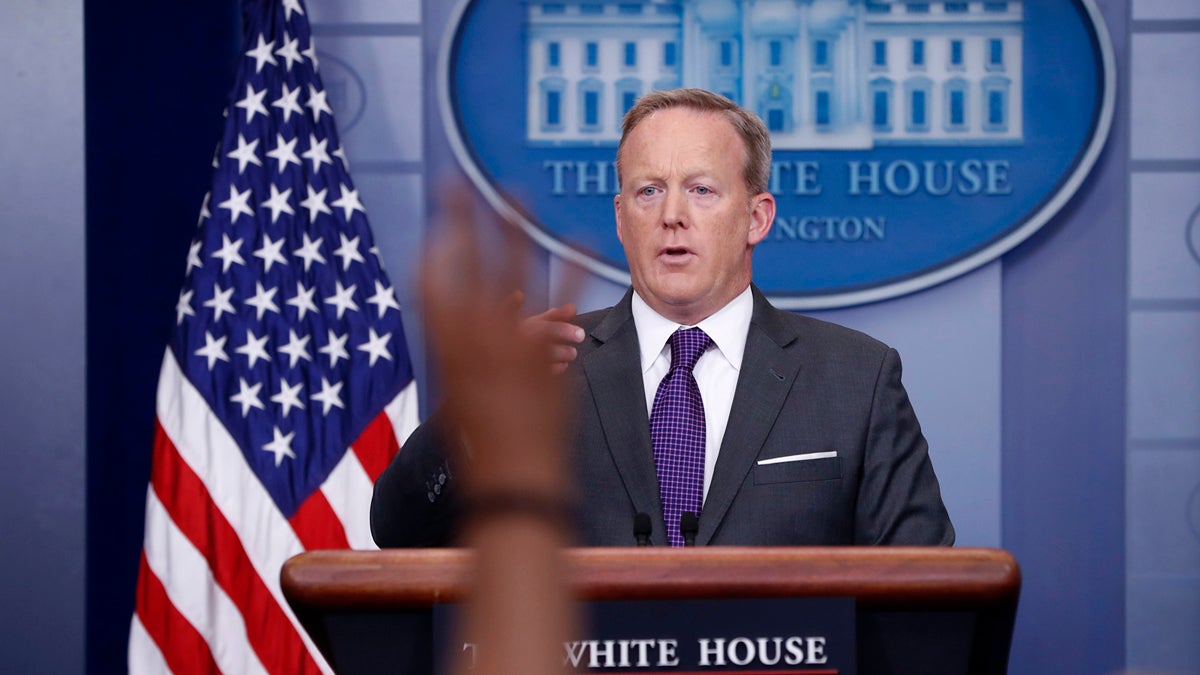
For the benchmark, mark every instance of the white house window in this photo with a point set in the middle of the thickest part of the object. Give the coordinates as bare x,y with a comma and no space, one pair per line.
553,55
591,93
956,105
778,112
956,54
918,54
918,8
995,104
630,55
591,55
821,55
775,53
725,53
551,89
917,92
823,114
995,59
956,7
881,104
670,54
591,8
628,89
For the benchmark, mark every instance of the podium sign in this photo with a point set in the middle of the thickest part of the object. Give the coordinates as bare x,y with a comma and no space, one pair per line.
810,636
916,610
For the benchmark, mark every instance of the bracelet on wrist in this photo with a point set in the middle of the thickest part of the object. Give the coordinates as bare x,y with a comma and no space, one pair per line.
557,510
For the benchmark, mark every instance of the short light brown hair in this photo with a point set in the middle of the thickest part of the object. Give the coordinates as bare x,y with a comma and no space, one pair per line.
755,138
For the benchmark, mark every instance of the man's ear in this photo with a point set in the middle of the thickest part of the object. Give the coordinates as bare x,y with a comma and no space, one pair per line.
617,213
762,216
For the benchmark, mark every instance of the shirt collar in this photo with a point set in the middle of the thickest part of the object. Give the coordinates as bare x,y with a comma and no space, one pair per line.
727,327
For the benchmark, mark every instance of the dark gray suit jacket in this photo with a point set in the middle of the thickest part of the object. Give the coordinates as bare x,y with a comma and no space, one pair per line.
806,386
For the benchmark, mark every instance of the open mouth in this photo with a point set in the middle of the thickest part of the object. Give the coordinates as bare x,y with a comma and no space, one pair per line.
675,253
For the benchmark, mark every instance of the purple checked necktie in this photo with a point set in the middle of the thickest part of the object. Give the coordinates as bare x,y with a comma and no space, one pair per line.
677,431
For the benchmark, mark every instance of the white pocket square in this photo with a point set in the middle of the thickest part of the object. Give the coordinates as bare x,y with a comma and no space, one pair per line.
798,458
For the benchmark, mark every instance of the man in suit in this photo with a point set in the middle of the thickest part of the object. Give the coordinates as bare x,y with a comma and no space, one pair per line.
793,431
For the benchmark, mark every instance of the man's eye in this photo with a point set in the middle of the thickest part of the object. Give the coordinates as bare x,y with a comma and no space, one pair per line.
703,190
647,191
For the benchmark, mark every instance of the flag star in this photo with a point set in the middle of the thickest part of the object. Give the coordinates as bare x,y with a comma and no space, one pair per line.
183,307
278,203
316,152
290,6
270,252
229,252
220,301
290,51
303,300
194,256
378,256
213,350
384,297
284,152
263,300
280,446
288,102
311,250
288,396
255,349
237,204
349,202
348,251
216,160
343,299
330,395
336,349
247,396
340,153
204,213
296,348
315,203
262,53
316,101
253,102
245,153
376,346
311,53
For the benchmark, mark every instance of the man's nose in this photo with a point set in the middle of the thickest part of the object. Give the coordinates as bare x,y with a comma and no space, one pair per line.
674,212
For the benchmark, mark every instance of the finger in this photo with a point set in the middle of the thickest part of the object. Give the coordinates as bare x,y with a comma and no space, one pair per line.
555,324
515,299
561,313
562,354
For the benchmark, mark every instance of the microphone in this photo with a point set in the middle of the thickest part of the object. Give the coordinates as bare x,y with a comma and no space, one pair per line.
689,525
641,528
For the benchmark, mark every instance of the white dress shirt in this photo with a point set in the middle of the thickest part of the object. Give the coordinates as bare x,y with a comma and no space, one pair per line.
716,372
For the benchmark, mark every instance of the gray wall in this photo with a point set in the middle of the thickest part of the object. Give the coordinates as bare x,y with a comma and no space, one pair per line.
42,336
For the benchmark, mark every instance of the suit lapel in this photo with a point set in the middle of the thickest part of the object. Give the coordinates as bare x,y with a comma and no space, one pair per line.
763,385
614,376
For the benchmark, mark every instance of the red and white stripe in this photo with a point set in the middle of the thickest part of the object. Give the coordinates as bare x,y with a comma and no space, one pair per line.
208,597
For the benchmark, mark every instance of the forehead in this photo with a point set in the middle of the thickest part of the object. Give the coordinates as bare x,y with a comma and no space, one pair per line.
675,135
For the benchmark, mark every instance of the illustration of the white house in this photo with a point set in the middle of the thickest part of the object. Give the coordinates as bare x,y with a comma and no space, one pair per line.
823,74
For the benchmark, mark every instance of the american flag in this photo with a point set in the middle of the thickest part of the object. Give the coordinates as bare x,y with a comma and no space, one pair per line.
286,387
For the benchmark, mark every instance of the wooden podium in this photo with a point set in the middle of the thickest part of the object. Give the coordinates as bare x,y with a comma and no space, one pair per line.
918,610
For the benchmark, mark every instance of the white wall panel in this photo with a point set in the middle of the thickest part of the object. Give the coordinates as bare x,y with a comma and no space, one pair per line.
1165,95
